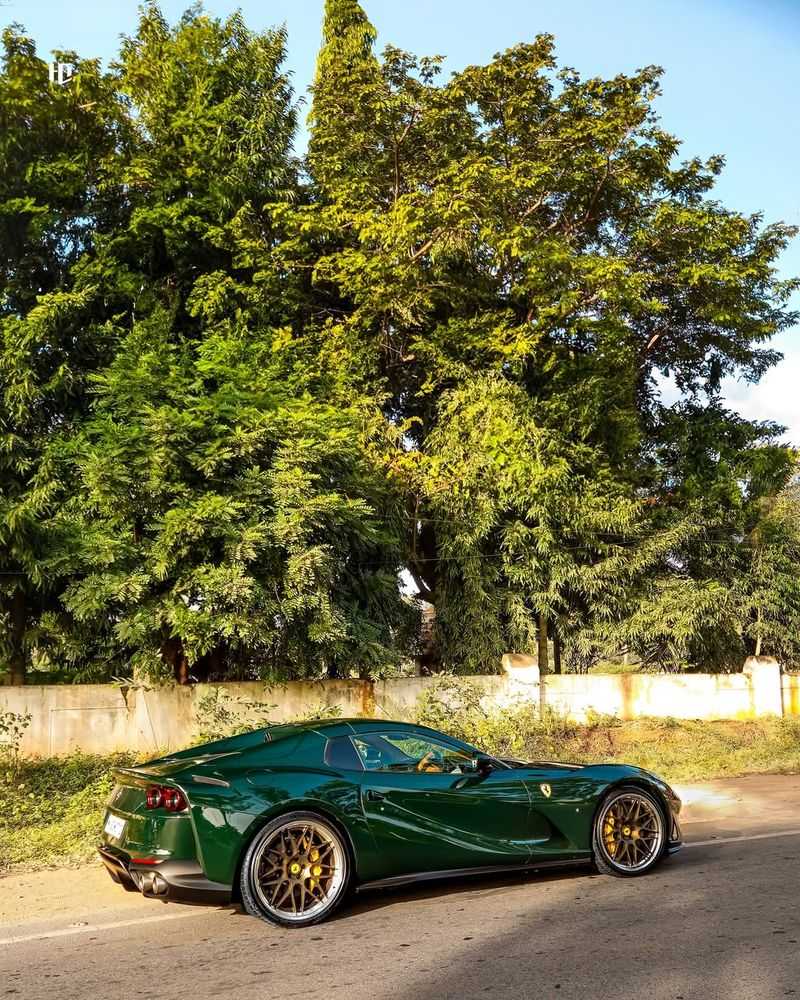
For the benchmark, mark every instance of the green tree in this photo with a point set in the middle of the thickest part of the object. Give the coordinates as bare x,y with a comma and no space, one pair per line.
239,392
726,473
233,498
529,226
768,591
58,196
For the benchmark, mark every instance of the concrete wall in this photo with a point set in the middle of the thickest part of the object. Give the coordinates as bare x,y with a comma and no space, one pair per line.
102,718
630,696
757,691
791,694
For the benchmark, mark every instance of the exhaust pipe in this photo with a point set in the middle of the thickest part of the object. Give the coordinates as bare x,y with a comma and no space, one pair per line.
151,883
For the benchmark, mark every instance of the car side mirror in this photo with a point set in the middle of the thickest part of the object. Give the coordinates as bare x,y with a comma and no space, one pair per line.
479,764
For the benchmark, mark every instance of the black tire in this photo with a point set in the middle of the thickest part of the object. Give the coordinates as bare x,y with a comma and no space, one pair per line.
270,887
632,854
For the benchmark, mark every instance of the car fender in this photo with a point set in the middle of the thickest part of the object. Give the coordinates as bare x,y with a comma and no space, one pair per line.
648,783
277,792
322,809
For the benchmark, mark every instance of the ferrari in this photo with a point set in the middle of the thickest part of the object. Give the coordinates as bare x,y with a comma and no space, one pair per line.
290,819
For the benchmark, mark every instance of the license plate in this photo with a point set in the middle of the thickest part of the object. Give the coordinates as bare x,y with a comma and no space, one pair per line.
115,826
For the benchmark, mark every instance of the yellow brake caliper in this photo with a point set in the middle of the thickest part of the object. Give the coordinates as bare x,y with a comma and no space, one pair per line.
608,835
315,868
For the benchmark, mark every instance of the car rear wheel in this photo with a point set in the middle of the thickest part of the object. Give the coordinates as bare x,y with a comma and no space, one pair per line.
629,835
296,871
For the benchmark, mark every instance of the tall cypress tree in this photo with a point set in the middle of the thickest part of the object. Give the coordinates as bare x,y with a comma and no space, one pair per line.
345,94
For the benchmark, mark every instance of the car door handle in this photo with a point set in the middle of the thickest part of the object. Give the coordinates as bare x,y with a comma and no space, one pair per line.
373,795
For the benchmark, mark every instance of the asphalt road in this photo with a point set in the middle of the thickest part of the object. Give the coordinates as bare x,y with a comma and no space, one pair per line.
720,920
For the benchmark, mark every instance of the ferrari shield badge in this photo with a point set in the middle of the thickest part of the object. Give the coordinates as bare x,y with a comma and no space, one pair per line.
547,791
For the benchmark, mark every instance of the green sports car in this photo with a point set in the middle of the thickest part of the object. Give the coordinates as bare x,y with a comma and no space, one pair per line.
289,818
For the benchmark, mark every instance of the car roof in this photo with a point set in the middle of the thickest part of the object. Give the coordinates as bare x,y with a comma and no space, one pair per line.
351,725
347,727
330,728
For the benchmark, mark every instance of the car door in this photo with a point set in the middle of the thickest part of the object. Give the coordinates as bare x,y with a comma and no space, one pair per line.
428,813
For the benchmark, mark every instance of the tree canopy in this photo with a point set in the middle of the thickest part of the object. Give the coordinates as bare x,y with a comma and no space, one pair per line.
244,392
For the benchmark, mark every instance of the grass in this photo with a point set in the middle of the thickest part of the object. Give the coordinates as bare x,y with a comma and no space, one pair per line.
51,810
681,750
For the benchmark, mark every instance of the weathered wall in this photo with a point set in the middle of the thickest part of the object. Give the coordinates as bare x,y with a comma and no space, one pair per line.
102,718
757,691
791,694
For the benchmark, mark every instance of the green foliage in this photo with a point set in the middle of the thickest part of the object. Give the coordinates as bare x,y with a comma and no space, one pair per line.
58,195
515,257
51,809
456,705
12,729
728,582
321,710
767,588
686,750
220,715
240,392
228,515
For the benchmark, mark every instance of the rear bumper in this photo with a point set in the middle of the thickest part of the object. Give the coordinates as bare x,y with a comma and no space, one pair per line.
183,881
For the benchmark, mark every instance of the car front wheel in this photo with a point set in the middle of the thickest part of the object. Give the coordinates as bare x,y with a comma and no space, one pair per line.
296,871
629,835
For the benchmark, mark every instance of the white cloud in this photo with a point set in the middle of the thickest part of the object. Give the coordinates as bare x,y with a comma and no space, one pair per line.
776,397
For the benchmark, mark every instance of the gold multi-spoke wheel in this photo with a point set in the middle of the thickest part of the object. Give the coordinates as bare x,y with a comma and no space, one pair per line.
296,870
629,833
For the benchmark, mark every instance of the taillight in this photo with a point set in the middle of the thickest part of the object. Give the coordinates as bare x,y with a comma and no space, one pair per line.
174,800
154,797
162,797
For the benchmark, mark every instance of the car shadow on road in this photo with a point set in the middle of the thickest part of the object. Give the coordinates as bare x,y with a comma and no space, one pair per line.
376,899
466,886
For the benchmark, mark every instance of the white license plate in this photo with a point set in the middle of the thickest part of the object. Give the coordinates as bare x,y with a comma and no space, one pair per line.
115,826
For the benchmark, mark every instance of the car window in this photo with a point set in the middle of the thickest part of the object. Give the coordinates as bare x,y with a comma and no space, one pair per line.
408,752
341,754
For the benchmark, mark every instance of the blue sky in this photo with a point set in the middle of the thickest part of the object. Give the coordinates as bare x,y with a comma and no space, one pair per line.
731,85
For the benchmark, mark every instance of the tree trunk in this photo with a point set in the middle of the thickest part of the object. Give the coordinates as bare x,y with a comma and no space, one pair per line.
18,661
543,662
556,653
183,668
174,654
758,632
544,654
